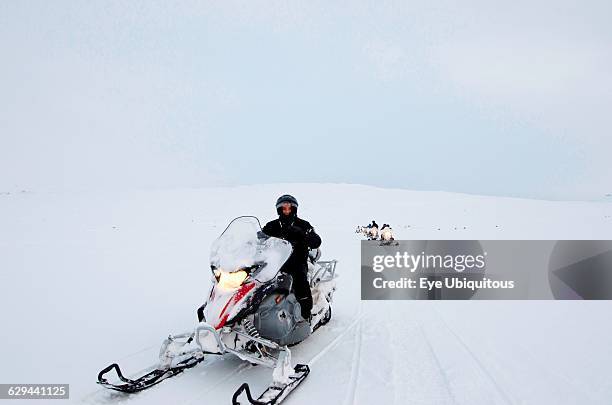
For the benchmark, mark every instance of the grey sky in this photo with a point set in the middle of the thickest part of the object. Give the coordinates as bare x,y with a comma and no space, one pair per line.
508,98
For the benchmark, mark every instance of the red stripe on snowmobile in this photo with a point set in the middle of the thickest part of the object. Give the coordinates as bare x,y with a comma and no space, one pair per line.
222,321
244,290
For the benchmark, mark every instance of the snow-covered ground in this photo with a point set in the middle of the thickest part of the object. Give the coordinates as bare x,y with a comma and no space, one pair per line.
94,278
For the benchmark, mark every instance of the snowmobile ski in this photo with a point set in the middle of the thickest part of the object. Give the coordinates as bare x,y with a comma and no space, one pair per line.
147,380
274,394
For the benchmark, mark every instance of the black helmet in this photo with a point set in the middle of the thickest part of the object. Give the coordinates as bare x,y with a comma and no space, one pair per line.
286,198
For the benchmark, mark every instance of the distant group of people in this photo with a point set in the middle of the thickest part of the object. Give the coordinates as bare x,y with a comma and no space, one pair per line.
373,232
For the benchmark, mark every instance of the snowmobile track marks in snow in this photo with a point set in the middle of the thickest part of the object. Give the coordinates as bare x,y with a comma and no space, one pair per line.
481,366
436,360
337,339
355,364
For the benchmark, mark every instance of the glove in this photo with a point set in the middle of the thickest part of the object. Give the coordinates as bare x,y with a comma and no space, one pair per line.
295,233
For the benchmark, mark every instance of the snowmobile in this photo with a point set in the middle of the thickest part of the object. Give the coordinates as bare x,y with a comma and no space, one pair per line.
371,233
386,233
251,312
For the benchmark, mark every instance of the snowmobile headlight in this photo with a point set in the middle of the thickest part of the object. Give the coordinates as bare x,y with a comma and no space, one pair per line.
230,281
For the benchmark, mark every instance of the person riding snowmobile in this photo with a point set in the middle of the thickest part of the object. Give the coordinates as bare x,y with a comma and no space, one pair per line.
302,237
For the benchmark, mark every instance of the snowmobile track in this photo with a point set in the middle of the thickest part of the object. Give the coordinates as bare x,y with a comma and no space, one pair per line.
355,364
337,339
436,360
481,366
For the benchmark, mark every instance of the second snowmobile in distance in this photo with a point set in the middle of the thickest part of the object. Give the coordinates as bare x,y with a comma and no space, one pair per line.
251,312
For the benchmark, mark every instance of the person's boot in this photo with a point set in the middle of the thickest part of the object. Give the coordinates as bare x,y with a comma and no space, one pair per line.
305,309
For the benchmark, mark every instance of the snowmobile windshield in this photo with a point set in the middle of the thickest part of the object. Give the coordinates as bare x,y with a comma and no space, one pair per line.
243,246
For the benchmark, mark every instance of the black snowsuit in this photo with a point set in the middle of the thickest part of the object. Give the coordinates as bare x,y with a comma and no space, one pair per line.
302,237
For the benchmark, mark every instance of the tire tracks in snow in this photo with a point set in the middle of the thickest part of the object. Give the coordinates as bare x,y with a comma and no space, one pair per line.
436,360
334,342
355,364
351,396
527,357
475,359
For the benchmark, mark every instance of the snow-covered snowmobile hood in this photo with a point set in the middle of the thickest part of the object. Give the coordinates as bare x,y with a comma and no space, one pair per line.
242,250
243,245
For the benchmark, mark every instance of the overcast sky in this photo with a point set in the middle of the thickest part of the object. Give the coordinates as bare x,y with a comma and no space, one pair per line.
504,98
